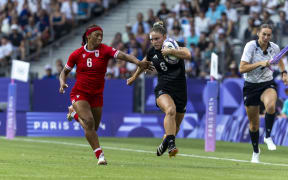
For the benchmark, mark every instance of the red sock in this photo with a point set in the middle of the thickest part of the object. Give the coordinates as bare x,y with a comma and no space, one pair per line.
97,152
76,117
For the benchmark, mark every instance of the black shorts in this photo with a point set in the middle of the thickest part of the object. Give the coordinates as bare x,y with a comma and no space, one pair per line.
252,92
179,98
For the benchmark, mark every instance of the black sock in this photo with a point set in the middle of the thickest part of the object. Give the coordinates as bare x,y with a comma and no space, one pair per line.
170,139
255,140
269,120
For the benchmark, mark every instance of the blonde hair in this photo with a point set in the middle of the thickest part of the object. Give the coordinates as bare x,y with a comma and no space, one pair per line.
159,27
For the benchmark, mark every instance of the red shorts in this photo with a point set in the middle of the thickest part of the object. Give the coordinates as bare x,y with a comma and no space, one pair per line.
95,100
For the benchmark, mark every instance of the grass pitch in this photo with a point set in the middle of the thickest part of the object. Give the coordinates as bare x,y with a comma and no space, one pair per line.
135,158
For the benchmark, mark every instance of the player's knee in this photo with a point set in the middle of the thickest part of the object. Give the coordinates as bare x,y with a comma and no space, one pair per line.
89,124
254,127
270,108
171,111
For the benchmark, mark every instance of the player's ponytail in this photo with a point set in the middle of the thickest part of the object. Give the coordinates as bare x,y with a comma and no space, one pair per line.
159,27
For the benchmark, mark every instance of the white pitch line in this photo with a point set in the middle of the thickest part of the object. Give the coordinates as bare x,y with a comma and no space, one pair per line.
143,151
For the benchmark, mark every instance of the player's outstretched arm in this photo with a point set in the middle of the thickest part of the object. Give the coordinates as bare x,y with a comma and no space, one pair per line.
246,67
62,79
141,64
136,74
181,52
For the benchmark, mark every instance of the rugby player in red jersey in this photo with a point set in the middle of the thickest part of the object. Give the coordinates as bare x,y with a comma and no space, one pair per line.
87,94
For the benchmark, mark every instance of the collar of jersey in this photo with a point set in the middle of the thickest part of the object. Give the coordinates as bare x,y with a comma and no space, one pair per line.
85,48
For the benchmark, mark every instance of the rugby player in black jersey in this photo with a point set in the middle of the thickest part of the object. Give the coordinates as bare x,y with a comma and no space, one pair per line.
171,90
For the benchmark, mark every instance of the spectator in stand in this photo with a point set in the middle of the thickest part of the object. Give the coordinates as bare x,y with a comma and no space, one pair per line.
69,9
17,41
226,24
57,22
48,75
170,21
201,23
117,40
125,35
151,18
177,34
252,6
6,50
33,36
231,12
163,12
202,43
142,38
24,15
233,71
44,24
139,21
180,7
59,67
270,5
192,39
213,14
266,18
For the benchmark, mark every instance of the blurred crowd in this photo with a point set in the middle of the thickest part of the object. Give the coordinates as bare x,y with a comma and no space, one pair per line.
26,26
205,26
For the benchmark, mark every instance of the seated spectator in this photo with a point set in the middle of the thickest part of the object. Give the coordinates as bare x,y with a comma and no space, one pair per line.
69,9
213,14
270,5
44,24
231,12
140,20
163,12
266,18
201,23
59,67
170,21
117,39
17,41
151,18
252,6
112,70
177,34
233,71
6,50
48,75
57,22
125,35
192,39
24,15
181,7
33,36
142,38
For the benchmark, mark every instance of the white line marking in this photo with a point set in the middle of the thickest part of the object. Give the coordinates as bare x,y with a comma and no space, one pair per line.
143,151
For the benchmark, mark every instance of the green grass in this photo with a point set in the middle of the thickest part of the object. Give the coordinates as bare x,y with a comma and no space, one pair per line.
21,159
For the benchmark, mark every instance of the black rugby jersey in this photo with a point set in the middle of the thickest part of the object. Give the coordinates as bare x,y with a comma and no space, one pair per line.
170,76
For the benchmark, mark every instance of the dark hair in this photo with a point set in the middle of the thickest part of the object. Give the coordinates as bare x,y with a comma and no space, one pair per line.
266,26
159,27
84,38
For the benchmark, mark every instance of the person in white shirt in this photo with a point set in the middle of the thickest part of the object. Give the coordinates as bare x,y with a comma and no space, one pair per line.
70,9
6,50
260,86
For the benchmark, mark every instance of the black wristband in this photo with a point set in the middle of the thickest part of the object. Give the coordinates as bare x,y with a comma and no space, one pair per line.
283,72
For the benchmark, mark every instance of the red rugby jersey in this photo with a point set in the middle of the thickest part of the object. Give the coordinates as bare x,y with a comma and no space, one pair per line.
91,67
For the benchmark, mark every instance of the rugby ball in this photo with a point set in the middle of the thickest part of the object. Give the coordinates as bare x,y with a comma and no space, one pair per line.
172,44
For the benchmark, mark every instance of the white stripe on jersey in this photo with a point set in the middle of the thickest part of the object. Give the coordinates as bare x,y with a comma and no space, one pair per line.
116,54
68,67
252,53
